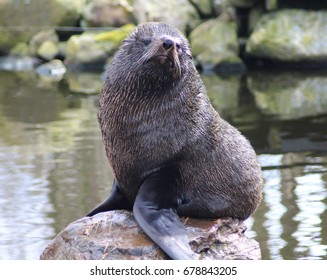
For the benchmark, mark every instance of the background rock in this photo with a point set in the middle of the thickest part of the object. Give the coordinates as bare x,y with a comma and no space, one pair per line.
179,13
44,44
53,70
20,20
214,44
94,47
115,235
290,35
102,13
20,49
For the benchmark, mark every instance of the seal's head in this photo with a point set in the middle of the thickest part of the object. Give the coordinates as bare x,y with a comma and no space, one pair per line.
156,51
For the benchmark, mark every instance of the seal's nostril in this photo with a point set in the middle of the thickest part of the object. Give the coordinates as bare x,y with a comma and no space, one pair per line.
167,44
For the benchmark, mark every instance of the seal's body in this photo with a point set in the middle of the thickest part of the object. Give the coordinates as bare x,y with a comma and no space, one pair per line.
170,152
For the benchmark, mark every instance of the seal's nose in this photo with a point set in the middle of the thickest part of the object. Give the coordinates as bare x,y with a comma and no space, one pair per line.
167,44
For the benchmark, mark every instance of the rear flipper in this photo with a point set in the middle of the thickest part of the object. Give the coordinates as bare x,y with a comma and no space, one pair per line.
115,201
155,211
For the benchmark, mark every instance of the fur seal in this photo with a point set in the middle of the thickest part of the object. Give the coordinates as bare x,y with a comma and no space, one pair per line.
170,152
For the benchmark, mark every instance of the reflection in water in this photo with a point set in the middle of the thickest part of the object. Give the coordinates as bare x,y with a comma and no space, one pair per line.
289,95
273,200
50,157
53,169
295,195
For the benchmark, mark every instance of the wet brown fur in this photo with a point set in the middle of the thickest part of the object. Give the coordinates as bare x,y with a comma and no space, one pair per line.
154,113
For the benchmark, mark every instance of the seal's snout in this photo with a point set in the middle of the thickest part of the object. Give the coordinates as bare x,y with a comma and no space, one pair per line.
167,44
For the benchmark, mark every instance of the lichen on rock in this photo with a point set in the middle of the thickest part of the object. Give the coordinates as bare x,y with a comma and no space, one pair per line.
214,44
290,35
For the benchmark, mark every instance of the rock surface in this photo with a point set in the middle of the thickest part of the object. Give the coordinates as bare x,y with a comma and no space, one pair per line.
94,47
115,235
44,44
290,35
20,20
178,13
213,53
53,70
103,13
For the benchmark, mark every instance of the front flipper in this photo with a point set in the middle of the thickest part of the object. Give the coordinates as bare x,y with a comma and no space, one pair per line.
115,201
155,211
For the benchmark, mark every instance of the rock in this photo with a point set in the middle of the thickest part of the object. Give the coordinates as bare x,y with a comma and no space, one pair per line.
179,13
221,6
53,70
48,50
215,45
115,235
254,16
20,20
83,49
20,49
235,3
62,48
94,47
102,13
290,36
289,95
18,63
45,44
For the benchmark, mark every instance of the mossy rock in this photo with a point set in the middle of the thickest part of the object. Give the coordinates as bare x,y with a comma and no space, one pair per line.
29,17
290,36
95,47
179,13
102,13
215,44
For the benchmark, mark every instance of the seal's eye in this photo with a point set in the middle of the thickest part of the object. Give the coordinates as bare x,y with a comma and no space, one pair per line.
146,41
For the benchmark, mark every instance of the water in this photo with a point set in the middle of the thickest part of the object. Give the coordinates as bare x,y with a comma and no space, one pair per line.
53,169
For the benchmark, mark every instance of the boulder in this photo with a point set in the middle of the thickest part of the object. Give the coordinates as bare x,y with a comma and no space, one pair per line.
48,50
215,45
102,13
94,47
290,36
20,20
179,13
20,49
45,44
53,70
115,235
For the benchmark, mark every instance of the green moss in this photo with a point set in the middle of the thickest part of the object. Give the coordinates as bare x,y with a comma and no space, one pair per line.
116,35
